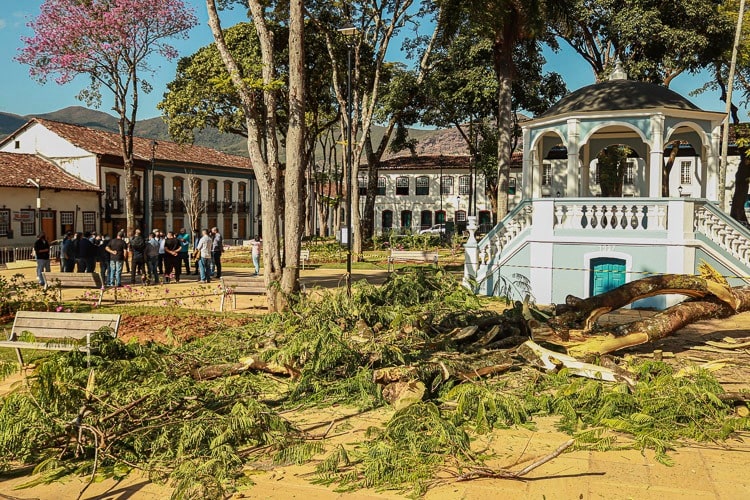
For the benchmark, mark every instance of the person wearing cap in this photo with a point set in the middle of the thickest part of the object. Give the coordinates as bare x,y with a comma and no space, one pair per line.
41,250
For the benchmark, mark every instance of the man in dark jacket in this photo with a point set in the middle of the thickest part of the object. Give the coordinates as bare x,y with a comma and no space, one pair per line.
84,252
137,249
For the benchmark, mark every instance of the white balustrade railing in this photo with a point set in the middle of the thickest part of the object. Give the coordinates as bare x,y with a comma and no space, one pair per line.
720,228
624,214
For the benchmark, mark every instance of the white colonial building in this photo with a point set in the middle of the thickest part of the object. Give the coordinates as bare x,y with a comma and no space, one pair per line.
564,238
94,157
417,192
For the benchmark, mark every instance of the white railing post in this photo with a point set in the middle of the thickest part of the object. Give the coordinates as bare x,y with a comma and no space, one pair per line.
471,252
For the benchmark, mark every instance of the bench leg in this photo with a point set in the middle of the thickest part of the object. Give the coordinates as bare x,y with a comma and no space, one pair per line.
101,296
20,359
221,305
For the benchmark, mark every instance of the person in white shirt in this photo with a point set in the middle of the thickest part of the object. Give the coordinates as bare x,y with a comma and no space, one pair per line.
204,249
255,245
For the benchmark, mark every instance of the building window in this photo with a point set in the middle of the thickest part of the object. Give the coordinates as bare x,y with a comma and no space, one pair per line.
66,222
547,175
28,219
362,182
440,217
158,188
406,219
629,176
17,144
512,186
446,185
112,187
402,186
387,220
89,222
460,215
177,189
464,185
241,190
4,222
381,186
212,188
227,190
425,219
423,186
686,172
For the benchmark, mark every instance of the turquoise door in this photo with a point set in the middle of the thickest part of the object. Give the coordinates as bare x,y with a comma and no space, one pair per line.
606,274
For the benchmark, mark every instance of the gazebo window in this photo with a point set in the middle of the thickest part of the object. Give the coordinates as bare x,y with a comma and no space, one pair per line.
547,175
686,172
629,177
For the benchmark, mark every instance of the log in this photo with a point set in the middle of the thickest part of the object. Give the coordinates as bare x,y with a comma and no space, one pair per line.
659,326
248,363
443,366
582,313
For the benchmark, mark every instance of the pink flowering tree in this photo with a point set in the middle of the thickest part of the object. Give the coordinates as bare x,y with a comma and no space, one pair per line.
110,42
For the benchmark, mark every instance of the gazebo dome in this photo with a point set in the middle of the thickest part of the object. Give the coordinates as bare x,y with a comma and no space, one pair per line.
619,95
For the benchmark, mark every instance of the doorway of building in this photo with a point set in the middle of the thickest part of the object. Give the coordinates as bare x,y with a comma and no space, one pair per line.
606,274
48,224
228,233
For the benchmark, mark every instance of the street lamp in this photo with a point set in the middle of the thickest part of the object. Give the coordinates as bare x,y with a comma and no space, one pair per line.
679,190
35,183
348,31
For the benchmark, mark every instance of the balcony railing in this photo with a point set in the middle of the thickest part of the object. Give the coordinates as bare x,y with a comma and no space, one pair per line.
178,206
212,207
160,205
241,207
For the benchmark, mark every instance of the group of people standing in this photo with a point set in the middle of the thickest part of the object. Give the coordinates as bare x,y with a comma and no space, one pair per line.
158,254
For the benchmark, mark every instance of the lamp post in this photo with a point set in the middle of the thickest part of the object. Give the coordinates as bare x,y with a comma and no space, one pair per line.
348,32
35,183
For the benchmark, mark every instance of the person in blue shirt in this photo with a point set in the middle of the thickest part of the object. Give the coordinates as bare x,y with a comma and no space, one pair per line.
184,256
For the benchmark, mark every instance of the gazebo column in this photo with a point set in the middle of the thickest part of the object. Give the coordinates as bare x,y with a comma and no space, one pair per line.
527,166
536,174
571,187
656,160
710,188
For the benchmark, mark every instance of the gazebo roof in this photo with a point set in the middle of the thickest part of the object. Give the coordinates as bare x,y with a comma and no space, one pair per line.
620,95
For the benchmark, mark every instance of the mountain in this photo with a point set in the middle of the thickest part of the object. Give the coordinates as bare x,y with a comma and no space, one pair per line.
430,142
9,123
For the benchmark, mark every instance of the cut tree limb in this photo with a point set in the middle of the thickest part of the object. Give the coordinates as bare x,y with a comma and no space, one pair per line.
583,313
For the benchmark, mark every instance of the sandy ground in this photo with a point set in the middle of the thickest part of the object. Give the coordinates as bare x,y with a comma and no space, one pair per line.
710,471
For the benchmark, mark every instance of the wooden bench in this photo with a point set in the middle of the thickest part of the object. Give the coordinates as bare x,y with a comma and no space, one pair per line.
63,331
304,256
75,280
241,285
419,256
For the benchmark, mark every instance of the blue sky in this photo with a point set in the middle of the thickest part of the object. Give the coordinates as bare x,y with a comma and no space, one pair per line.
21,95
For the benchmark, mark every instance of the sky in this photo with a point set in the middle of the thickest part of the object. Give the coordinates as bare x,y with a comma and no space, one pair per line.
21,95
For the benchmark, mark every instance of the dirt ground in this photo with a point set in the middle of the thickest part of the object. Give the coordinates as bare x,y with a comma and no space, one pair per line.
711,471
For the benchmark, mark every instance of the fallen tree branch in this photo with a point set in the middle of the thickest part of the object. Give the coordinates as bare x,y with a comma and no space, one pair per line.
482,473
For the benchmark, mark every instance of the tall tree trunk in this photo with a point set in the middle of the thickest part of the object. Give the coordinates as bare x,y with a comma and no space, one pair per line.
262,148
668,168
503,62
295,150
741,185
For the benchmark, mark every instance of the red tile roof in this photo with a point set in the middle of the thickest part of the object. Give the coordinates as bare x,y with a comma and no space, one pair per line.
16,168
108,143
435,162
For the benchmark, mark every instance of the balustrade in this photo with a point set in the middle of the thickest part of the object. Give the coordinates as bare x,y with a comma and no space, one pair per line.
614,215
723,231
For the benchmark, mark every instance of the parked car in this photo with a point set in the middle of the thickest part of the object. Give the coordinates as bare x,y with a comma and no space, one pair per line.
436,229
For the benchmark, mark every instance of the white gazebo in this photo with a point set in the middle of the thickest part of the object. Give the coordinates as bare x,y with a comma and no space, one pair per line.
564,238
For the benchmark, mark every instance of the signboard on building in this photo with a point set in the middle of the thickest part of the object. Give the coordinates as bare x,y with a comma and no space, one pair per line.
24,216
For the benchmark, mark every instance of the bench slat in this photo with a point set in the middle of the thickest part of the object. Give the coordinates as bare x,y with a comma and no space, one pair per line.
63,323
68,315
42,346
